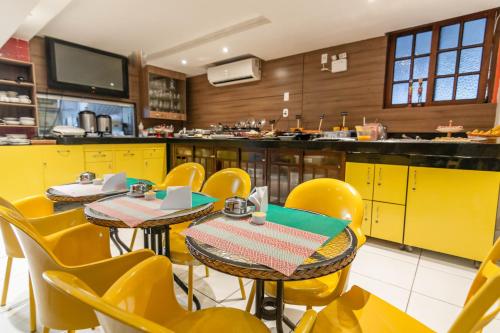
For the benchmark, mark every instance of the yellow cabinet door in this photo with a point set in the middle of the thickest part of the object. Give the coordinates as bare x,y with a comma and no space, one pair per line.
388,221
360,176
129,161
100,168
61,164
366,226
390,183
154,170
20,172
452,211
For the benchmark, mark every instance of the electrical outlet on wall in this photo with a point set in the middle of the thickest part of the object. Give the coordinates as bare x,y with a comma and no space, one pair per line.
285,113
286,96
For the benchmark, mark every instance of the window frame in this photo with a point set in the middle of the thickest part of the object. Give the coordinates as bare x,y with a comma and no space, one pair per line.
485,83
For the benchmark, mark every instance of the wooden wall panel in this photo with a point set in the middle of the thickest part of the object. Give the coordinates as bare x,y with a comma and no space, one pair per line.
359,91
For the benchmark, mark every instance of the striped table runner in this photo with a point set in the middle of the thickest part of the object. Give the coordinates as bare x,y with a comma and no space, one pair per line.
276,246
132,211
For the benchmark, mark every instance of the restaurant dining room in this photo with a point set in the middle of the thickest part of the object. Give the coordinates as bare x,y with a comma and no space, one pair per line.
249,166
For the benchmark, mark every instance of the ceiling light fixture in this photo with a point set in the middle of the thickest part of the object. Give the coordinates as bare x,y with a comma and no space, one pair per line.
225,50
184,62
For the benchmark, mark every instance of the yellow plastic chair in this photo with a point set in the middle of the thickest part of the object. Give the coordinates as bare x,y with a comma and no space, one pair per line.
359,311
187,174
143,300
83,251
32,208
330,197
221,185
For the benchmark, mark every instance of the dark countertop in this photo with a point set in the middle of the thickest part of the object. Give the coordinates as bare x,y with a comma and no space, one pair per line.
438,149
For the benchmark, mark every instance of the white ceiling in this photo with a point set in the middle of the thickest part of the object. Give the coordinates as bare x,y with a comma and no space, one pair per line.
160,27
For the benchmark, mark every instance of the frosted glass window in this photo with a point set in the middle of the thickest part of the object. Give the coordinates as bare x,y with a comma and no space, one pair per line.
474,32
446,63
420,68
414,96
404,46
470,60
443,89
449,36
423,43
467,86
402,70
400,93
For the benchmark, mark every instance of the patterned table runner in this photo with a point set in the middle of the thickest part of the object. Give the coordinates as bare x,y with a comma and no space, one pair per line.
276,246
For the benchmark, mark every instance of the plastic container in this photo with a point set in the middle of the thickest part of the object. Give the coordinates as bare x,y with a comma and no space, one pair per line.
366,133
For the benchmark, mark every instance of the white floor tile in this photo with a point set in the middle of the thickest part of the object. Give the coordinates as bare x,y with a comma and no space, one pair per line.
449,264
441,285
437,315
493,327
391,250
394,295
386,269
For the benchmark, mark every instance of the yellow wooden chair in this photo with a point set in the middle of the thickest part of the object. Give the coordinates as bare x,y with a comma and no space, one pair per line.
143,300
82,250
187,174
32,208
221,185
330,197
359,311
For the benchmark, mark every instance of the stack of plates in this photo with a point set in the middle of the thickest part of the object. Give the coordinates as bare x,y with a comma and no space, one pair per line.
11,121
4,141
18,139
28,121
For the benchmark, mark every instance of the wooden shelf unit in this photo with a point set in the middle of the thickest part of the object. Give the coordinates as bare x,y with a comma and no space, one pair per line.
10,73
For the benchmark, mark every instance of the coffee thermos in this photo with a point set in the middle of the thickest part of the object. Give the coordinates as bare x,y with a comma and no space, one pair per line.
104,124
87,121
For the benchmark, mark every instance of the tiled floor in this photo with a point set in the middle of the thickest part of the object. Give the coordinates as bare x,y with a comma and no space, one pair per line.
429,286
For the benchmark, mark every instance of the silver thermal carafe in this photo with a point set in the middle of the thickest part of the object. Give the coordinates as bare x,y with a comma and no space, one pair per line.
87,121
104,124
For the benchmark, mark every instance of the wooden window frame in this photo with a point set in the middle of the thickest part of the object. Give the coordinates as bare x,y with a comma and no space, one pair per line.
490,48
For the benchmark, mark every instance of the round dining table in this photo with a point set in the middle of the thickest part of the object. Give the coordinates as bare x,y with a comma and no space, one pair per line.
155,230
333,256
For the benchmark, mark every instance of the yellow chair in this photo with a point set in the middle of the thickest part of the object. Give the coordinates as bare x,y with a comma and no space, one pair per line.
221,185
359,311
187,174
82,250
330,197
32,208
143,300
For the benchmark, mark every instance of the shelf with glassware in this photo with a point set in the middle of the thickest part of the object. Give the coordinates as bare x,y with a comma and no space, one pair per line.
18,108
163,93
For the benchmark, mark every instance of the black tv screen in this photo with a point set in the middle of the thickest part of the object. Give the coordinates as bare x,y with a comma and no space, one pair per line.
81,68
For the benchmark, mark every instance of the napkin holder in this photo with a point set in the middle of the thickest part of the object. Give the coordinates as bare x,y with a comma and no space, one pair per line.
178,197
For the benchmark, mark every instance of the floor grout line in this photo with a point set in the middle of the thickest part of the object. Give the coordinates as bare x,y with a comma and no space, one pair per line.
413,282
379,280
437,299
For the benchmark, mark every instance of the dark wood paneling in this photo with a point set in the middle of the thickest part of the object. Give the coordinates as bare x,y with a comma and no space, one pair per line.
359,91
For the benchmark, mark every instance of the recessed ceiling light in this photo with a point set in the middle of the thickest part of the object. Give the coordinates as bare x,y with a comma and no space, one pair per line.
225,49
184,61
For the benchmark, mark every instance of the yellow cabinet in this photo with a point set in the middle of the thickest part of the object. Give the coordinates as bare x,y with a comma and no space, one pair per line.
21,172
100,168
154,170
129,161
388,221
367,218
61,164
452,211
390,183
360,176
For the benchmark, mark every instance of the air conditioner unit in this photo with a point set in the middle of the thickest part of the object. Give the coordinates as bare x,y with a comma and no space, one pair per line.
235,72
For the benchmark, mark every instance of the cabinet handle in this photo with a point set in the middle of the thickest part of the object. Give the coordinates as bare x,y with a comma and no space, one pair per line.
376,218
368,176
379,177
62,151
414,180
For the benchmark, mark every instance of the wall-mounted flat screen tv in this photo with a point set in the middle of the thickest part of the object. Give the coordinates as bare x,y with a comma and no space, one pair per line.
81,68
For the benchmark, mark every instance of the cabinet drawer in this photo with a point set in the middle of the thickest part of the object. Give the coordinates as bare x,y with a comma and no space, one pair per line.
390,183
128,154
154,153
366,225
98,156
388,221
360,176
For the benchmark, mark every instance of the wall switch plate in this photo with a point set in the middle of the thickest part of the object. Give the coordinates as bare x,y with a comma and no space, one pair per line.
343,55
286,96
324,58
339,65
285,113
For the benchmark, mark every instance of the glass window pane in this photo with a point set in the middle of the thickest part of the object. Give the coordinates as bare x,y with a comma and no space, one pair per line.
402,70
467,87
446,63
420,68
470,60
423,43
443,90
400,93
448,37
404,46
415,96
474,32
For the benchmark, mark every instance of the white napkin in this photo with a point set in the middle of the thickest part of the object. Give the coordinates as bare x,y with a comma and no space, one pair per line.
77,190
178,197
114,182
258,197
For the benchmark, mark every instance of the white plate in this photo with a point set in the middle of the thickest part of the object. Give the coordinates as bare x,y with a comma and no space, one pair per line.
16,136
11,122
239,216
